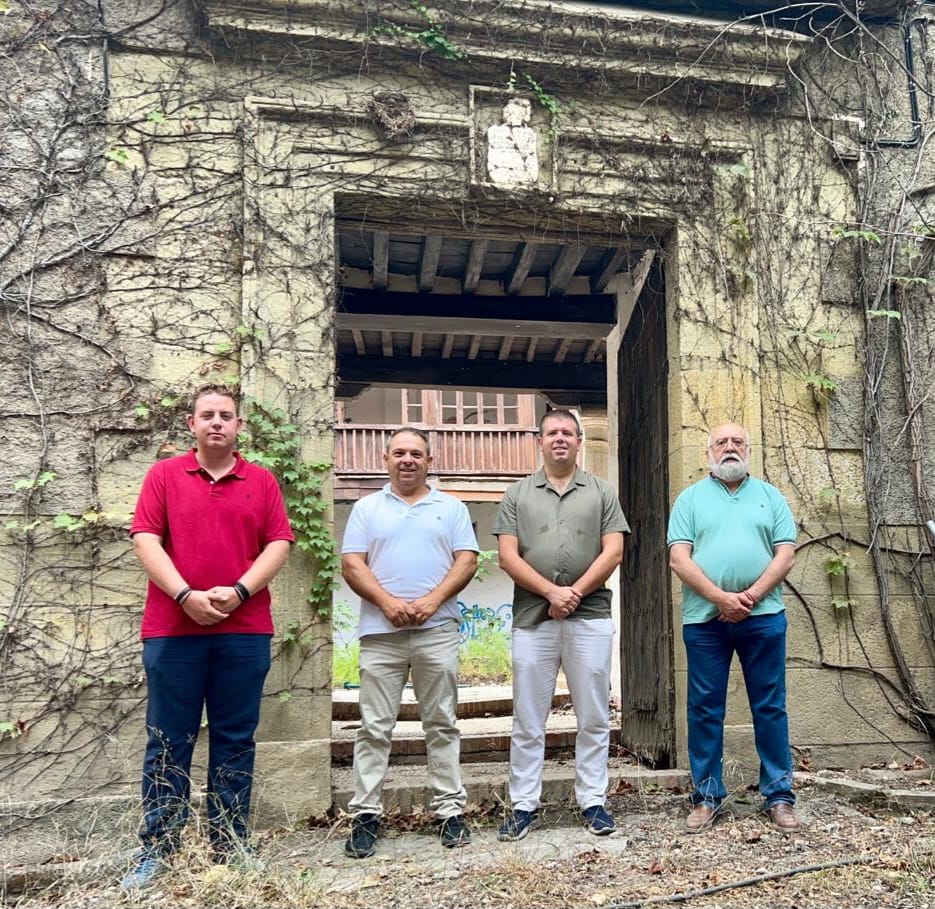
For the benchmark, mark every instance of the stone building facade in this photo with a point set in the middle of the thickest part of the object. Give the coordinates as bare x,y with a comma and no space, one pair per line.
308,198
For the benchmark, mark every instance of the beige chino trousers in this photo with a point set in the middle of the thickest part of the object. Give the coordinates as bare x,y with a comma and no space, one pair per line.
431,654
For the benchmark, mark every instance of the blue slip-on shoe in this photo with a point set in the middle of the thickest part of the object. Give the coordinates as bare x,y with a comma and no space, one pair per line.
362,843
148,867
518,824
598,821
454,832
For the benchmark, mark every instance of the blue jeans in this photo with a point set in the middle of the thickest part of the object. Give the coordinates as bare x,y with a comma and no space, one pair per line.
223,673
760,643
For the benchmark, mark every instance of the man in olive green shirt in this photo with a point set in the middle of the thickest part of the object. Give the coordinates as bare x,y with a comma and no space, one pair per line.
560,534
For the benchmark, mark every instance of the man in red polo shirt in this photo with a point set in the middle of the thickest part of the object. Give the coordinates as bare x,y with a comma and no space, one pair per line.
211,532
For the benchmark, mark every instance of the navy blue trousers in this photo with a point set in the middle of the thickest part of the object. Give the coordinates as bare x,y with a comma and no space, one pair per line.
223,674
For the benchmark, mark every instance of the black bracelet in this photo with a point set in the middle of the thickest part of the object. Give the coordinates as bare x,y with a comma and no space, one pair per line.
182,595
242,592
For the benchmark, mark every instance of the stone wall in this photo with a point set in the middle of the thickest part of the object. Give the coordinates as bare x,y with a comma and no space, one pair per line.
199,157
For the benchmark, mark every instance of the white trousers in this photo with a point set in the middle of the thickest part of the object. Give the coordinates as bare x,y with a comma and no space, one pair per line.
582,648
385,663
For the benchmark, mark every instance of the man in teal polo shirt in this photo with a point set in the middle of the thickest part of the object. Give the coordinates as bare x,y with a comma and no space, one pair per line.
731,543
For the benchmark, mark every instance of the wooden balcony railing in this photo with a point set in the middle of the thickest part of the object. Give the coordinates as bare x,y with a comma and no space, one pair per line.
476,451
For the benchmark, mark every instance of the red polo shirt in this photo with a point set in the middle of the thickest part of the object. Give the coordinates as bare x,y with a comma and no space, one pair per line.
213,530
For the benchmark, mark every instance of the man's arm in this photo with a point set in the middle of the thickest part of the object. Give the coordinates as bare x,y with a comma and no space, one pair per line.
259,575
457,578
163,573
774,573
561,599
731,607
611,555
361,579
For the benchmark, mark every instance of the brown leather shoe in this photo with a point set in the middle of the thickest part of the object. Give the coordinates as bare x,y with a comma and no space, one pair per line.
701,817
783,816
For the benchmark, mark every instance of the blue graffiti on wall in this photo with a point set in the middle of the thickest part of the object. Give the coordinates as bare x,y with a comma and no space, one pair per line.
476,619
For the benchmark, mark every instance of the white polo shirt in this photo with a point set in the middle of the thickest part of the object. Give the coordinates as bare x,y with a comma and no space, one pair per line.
409,548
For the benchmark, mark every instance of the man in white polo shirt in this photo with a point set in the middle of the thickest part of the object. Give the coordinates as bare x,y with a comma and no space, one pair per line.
408,551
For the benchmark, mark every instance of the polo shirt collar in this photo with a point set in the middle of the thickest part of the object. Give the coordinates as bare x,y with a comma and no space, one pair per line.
239,470
432,493
579,479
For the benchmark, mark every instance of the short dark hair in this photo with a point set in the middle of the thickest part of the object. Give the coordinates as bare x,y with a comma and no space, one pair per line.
216,388
421,433
560,415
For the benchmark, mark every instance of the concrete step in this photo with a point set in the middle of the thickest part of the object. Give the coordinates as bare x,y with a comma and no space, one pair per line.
482,739
473,701
486,783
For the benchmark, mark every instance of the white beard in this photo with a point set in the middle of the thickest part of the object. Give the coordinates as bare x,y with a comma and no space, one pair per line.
729,471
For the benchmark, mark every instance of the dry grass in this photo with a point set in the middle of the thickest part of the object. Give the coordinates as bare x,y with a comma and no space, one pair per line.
560,866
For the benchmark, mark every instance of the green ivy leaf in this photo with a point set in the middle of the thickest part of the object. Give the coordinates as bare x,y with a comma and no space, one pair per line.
883,314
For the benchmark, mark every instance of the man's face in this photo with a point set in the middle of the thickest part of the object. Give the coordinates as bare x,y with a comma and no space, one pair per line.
728,454
215,423
407,462
559,442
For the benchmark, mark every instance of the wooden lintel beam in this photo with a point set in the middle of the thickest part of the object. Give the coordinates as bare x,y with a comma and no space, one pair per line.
505,345
562,351
416,348
465,325
608,266
428,263
600,308
409,372
531,350
475,265
386,337
475,347
519,269
381,259
358,337
563,270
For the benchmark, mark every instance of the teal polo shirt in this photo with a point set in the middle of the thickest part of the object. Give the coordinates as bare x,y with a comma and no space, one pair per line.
732,535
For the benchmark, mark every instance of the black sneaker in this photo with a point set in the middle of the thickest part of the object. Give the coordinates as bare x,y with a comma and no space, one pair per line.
364,831
454,832
518,824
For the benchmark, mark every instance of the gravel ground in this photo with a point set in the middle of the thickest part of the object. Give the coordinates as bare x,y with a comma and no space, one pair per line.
890,858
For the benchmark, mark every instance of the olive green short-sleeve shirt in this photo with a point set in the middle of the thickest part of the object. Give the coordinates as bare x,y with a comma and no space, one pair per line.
559,536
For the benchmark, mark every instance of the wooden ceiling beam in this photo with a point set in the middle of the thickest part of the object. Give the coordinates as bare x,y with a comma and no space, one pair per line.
562,351
475,347
386,337
505,345
563,270
464,325
592,350
475,265
531,349
446,347
381,259
608,266
416,348
428,262
358,337
519,269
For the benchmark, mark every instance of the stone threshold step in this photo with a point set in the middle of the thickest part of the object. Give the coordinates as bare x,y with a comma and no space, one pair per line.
405,789
482,739
473,701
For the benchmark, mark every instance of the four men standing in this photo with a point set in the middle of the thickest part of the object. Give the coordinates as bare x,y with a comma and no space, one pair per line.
211,532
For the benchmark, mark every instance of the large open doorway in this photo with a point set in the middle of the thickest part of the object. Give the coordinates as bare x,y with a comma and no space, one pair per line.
455,328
